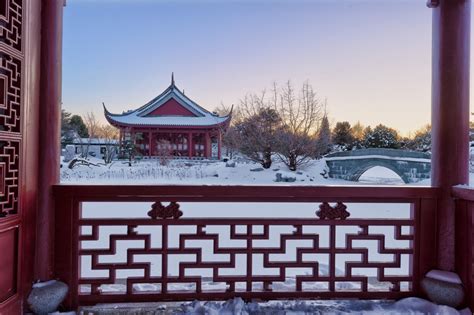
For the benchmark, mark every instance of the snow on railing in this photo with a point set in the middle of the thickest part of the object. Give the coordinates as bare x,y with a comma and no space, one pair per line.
137,243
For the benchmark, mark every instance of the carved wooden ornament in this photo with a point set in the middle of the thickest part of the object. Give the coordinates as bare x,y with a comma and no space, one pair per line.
158,211
326,211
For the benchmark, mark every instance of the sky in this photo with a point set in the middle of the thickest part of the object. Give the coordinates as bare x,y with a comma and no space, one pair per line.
371,59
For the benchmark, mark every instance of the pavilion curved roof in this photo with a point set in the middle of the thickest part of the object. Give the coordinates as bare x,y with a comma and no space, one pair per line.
139,117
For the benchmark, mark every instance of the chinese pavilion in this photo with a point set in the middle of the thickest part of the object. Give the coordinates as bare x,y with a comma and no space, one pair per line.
172,124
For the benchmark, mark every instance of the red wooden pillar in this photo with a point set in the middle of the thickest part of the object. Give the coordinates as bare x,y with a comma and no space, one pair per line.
219,144
150,143
190,144
450,114
206,145
49,137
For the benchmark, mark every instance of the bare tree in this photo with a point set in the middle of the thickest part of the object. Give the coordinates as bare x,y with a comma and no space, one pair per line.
93,127
301,113
164,151
92,124
230,135
109,135
281,121
295,149
301,116
257,135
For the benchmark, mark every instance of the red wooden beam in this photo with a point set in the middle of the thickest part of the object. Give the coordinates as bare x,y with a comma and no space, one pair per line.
450,114
50,127
245,193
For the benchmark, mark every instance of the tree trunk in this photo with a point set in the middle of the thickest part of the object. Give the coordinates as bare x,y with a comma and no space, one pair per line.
267,159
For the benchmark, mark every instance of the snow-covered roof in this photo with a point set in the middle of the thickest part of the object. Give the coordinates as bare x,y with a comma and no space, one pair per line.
94,141
141,116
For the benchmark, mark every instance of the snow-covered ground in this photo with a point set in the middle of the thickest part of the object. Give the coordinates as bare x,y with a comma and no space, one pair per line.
237,306
215,173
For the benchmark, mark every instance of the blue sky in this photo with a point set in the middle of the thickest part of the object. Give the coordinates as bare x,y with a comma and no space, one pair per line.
370,59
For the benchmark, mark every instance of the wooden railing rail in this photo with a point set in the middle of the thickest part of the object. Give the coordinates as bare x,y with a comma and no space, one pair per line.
318,244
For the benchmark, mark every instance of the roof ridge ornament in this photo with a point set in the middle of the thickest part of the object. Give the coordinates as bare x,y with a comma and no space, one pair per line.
432,4
172,78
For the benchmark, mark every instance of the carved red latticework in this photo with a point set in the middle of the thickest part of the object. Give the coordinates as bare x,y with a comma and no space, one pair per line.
10,103
10,93
9,167
10,23
215,258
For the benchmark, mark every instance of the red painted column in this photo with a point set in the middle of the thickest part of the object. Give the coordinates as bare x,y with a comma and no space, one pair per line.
150,143
450,115
190,144
49,134
219,144
206,145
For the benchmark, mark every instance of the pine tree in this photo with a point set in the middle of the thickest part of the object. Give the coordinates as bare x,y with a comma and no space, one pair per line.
382,137
77,124
421,140
342,135
324,137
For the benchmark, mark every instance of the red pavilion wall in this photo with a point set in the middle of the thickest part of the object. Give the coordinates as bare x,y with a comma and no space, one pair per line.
171,108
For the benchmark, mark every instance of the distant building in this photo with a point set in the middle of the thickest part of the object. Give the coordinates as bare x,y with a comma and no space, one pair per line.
95,147
172,124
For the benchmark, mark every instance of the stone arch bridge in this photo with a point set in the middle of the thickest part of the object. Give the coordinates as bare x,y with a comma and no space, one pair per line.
411,166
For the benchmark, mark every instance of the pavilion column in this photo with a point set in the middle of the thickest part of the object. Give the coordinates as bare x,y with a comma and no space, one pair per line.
450,115
190,144
206,145
49,134
219,144
150,144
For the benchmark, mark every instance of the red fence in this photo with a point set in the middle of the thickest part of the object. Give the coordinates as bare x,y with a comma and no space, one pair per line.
310,242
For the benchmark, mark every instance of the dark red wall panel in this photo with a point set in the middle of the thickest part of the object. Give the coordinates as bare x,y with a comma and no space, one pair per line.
8,263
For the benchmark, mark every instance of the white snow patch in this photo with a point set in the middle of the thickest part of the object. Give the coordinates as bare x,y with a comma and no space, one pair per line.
410,305
442,275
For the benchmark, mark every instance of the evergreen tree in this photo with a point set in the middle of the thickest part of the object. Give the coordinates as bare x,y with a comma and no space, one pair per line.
324,137
129,148
77,124
382,137
342,135
421,140
65,118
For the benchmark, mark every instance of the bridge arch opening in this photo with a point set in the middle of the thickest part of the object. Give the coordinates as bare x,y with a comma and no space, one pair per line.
358,171
380,175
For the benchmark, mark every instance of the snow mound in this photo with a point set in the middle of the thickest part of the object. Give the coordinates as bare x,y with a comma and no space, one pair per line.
237,306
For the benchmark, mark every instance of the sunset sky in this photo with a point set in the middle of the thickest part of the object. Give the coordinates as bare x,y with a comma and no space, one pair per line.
371,59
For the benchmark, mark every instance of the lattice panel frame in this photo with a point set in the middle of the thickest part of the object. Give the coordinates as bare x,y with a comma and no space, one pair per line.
11,12
11,103
247,284
10,93
9,169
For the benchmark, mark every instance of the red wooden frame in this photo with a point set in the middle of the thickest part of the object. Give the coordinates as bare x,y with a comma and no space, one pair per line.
39,43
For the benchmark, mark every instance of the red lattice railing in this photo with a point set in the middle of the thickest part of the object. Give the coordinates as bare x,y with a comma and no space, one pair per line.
252,242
